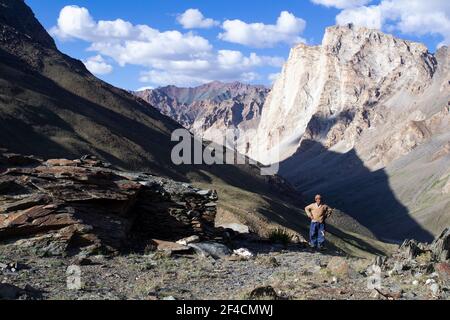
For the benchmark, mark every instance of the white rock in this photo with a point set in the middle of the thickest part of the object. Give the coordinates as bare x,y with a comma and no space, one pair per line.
242,252
435,289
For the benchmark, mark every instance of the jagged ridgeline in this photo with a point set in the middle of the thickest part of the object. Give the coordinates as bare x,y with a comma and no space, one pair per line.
51,106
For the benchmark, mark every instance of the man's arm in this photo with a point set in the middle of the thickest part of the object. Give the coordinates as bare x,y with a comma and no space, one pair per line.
308,211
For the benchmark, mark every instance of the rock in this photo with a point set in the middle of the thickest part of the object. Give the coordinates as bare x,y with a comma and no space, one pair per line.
380,261
270,262
172,247
211,249
339,267
410,249
83,203
82,260
236,227
415,283
170,298
245,253
441,246
430,281
443,271
264,293
204,192
398,268
189,240
374,294
435,290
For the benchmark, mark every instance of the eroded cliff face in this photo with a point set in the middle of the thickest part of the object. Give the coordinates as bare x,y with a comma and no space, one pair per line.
364,118
334,93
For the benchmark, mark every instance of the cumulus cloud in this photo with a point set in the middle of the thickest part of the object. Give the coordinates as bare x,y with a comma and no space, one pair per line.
224,65
369,17
97,65
341,4
171,57
259,35
415,17
193,18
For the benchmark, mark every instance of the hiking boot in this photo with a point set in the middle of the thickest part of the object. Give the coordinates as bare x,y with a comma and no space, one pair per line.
321,248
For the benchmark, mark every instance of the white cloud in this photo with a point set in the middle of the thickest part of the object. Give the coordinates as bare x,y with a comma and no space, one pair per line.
224,65
97,65
171,57
193,18
145,88
342,4
414,17
369,17
259,35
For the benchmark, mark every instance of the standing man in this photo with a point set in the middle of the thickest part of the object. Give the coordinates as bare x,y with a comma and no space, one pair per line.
318,212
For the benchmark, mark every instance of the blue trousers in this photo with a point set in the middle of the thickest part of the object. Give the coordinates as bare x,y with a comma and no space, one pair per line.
317,234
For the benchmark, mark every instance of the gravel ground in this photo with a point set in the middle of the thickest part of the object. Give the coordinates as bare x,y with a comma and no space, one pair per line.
294,273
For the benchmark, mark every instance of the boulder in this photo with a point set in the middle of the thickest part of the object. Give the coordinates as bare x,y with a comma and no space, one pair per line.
339,267
244,253
410,249
211,249
236,227
441,246
66,205
443,271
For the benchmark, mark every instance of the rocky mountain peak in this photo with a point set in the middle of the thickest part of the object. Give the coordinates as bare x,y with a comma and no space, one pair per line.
17,20
210,109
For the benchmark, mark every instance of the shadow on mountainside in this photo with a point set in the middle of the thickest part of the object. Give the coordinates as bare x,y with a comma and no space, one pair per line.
349,186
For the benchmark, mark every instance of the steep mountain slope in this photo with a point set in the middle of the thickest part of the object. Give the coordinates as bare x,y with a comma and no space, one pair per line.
211,109
364,118
51,106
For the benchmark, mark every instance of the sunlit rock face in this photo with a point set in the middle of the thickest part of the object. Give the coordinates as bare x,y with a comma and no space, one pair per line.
359,85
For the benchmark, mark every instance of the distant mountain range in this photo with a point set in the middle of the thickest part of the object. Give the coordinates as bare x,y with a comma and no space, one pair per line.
210,109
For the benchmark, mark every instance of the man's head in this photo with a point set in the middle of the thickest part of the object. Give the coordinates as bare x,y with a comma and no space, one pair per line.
318,199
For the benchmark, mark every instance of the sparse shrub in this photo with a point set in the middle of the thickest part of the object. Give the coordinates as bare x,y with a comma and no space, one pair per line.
280,235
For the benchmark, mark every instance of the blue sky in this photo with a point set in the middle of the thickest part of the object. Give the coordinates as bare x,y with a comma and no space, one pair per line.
186,43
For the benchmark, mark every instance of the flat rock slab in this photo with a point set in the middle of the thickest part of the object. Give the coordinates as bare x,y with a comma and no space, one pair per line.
171,247
237,227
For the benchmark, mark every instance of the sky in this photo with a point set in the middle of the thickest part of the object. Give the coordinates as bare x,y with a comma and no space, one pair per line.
139,44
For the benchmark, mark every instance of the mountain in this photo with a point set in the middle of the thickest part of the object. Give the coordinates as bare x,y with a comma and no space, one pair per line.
51,106
364,119
211,109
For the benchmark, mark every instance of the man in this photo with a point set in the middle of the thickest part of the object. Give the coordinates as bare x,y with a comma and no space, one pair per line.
318,212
